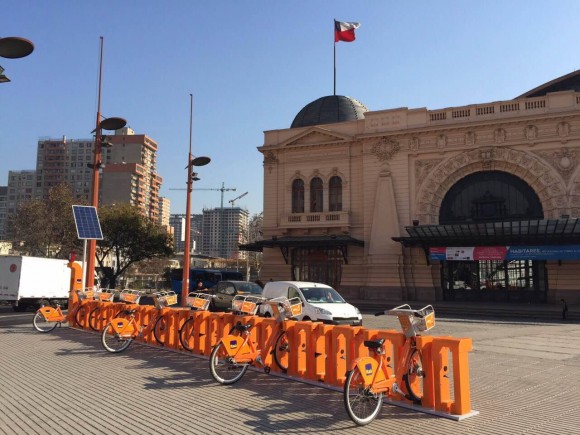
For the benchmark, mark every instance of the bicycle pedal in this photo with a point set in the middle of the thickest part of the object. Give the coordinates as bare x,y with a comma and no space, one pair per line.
267,370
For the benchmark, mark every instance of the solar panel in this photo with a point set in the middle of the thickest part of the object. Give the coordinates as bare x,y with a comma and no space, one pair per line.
87,222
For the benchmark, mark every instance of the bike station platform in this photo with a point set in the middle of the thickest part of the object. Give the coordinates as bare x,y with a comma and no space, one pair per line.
525,378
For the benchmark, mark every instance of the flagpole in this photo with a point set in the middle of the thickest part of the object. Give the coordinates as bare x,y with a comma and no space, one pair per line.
334,39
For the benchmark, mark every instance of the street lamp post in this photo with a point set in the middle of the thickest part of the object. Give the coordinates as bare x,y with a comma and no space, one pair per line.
191,176
13,47
101,124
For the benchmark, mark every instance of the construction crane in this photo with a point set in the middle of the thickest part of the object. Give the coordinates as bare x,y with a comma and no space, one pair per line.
221,226
221,189
232,201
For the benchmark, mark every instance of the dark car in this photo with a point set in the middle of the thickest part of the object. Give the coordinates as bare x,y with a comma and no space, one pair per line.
225,291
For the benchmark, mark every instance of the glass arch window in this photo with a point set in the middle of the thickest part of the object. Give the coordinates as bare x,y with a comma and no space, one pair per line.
335,194
316,195
298,196
490,196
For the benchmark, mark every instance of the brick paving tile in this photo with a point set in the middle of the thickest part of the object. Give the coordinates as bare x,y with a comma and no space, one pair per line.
63,382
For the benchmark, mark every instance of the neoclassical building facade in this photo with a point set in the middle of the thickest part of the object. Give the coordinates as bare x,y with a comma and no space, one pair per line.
477,202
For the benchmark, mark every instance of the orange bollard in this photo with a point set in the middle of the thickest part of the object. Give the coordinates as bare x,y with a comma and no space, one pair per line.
425,345
342,352
322,337
302,355
201,332
459,348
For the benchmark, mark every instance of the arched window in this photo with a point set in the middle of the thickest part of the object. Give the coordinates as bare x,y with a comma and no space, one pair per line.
316,195
298,196
335,194
490,196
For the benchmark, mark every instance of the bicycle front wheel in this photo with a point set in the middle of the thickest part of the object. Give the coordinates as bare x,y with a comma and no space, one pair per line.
281,350
160,330
41,324
186,335
362,405
114,342
81,316
223,368
414,376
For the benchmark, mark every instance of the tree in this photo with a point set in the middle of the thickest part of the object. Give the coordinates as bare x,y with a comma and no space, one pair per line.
45,227
129,237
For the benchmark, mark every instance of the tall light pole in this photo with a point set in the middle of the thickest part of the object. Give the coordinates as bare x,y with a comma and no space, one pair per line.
13,47
101,124
191,176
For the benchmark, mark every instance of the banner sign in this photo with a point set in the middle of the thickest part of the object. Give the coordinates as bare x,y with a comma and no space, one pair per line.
500,253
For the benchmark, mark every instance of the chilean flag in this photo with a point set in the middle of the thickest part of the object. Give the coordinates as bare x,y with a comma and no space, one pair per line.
344,31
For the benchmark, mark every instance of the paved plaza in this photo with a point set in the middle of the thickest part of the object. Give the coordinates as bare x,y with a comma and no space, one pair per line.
525,379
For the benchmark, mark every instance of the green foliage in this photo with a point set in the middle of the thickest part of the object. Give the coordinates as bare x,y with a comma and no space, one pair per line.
129,237
45,227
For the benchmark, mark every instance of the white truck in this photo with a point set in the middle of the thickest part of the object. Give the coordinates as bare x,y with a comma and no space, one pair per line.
29,281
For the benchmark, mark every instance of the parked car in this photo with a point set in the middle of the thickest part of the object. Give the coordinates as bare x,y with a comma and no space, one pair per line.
225,291
320,302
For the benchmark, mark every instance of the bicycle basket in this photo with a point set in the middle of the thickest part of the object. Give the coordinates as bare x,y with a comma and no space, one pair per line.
130,296
88,294
105,295
246,304
411,323
164,299
292,307
199,301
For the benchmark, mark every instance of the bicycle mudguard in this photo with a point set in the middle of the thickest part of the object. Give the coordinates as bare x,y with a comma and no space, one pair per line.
235,346
123,326
369,368
51,315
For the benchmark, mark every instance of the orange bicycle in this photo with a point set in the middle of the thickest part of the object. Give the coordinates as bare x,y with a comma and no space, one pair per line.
198,302
48,317
233,354
120,332
372,376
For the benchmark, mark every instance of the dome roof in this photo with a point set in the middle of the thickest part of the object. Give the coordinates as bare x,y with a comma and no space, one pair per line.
328,110
568,82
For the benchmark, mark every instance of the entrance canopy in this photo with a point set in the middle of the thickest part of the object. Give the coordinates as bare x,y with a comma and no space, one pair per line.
564,231
287,242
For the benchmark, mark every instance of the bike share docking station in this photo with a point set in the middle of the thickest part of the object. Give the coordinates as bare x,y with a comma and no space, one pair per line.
321,354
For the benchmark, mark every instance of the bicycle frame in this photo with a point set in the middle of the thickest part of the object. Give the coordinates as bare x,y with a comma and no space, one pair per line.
378,374
243,350
132,327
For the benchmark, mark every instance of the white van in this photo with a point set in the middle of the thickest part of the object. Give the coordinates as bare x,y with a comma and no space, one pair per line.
320,302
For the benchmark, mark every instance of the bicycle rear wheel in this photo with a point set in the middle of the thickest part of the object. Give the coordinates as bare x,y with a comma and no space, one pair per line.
41,324
112,341
186,334
415,376
362,405
160,330
81,316
95,318
281,351
223,368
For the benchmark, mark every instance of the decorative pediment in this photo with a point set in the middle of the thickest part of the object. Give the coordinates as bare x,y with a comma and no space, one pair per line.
315,136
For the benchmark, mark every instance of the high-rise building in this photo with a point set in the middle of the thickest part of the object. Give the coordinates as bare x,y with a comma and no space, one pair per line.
3,206
60,161
20,189
129,172
177,223
164,211
223,230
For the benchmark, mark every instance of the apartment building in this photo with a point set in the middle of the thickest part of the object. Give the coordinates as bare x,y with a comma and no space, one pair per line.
223,229
177,223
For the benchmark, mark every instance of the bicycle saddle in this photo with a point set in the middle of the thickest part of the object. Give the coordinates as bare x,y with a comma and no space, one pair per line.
243,328
374,344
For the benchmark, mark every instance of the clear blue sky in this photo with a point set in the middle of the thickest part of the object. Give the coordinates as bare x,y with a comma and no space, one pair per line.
252,65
